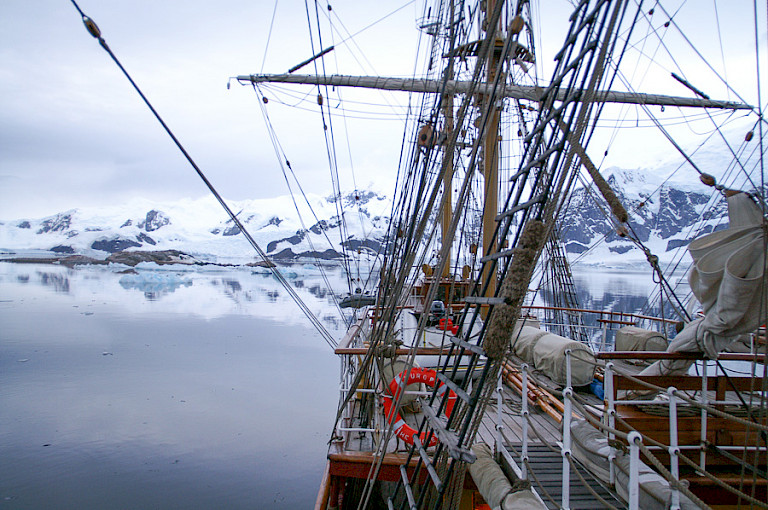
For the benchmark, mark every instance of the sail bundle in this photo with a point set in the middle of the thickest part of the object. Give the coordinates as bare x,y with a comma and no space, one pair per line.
728,280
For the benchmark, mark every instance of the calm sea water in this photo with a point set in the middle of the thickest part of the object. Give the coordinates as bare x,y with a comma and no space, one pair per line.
161,390
175,389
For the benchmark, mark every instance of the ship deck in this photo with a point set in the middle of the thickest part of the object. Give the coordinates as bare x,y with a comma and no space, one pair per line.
352,453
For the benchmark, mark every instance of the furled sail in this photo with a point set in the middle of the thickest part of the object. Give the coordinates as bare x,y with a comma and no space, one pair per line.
728,279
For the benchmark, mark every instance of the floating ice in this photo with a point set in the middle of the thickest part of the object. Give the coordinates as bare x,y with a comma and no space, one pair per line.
155,281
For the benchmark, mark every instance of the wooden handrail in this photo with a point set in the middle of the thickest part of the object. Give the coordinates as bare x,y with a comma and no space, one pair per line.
321,503
608,321
352,333
649,355
687,383
600,312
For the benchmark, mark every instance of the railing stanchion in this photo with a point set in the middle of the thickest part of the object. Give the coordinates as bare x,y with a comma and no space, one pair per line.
566,449
634,438
704,402
674,450
524,467
499,415
608,390
343,383
604,340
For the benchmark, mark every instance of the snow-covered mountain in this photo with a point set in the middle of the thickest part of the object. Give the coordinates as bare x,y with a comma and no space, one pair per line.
665,214
201,228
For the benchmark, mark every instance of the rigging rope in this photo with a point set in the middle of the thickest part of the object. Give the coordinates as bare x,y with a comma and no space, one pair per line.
685,37
269,37
419,225
330,146
93,29
342,106
281,156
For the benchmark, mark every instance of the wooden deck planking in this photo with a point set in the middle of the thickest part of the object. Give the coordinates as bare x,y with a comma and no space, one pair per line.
512,421
548,468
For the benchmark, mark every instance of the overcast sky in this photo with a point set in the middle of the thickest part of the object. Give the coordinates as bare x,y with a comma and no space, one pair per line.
73,132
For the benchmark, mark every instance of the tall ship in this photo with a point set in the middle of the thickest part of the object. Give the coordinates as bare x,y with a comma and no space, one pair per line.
456,389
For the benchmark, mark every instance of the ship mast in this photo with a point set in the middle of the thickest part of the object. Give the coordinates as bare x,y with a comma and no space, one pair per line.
490,161
490,144
448,150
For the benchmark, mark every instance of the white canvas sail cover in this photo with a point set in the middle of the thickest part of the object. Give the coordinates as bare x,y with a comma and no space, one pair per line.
728,279
632,338
591,448
546,352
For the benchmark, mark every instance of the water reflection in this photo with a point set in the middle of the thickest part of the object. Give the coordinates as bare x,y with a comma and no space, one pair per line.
233,285
58,281
154,285
216,293
122,399
600,290
209,293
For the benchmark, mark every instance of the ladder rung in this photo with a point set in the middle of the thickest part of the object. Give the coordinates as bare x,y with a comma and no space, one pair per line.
577,32
407,486
578,59
576,10
428,463
540,159
476,349
568,42
520,207
542,125
455,387
504,253
447,438
518,174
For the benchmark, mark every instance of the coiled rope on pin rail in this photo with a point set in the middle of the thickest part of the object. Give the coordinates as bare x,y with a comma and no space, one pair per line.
94,30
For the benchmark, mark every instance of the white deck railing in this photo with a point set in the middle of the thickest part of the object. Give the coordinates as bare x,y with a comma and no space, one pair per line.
634,438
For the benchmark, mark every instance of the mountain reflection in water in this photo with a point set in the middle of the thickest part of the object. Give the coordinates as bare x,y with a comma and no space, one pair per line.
209,293
162,389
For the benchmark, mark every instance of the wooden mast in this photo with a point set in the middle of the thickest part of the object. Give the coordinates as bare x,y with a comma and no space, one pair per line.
448,157
447,178
490,161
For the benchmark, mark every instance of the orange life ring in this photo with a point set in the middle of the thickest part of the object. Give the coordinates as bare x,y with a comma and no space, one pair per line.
416,375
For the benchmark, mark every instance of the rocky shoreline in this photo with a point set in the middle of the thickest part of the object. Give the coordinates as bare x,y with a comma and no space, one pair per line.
130,258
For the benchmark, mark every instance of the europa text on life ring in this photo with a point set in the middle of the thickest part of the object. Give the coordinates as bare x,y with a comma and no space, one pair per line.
416,375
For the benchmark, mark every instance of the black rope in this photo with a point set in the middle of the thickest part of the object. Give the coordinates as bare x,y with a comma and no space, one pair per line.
93,29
